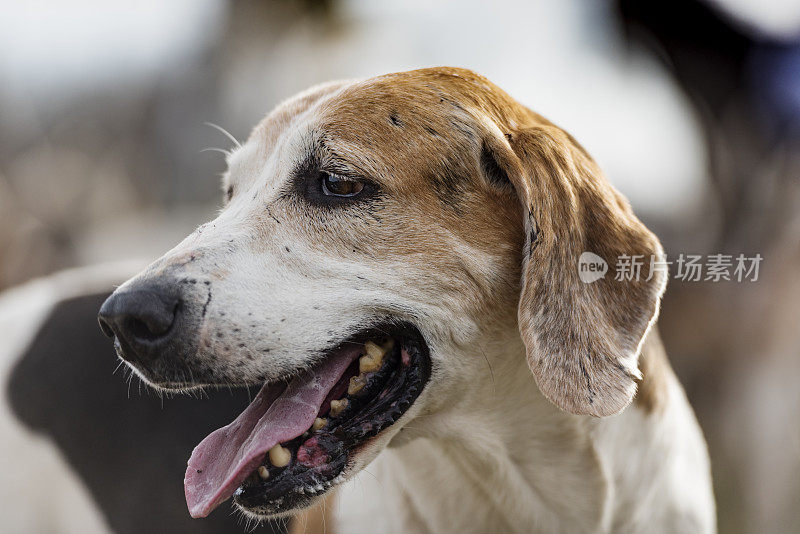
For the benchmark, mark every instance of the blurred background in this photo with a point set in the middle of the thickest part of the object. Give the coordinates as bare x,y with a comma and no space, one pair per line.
692,108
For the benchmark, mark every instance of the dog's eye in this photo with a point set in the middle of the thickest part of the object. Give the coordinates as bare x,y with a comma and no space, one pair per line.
339,186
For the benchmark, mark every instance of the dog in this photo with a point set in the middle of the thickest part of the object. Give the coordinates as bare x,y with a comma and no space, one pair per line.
397,267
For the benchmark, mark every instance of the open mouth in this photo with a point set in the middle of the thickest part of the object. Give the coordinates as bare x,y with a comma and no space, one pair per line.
295,439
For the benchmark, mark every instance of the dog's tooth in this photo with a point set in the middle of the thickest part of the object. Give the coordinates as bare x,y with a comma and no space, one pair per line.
357,383
338,406
279,456
263,472
368,364
373,358
374,350
319,422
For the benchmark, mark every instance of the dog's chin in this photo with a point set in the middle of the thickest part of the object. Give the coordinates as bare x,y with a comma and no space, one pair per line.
266,505
366,406
161,385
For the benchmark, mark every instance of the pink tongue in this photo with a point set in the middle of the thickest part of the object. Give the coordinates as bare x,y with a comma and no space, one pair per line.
222,461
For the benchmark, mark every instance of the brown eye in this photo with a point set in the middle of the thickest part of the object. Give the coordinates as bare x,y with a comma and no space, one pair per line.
339,186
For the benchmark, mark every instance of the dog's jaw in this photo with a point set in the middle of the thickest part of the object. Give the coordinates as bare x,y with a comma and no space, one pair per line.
496,446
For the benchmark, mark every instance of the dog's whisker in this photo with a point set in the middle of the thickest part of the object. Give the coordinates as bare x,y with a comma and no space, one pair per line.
380,483
491,371
215,149
226,133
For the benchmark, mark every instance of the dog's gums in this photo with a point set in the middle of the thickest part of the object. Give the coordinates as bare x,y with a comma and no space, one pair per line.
294,441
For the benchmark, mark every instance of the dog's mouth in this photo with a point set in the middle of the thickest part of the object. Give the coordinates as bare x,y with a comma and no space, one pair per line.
293,442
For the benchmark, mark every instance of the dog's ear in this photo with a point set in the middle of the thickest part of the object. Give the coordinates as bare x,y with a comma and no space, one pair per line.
582,338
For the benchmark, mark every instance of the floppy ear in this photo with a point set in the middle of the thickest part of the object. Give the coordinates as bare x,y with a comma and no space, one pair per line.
582,339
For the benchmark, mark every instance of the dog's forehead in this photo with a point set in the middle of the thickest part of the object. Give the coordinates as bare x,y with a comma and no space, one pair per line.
401,129
386,112
397,112
406,131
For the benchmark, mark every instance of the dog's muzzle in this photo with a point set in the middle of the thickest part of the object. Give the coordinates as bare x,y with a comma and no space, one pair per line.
152,325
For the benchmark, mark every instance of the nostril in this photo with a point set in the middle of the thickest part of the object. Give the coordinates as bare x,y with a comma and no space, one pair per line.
105,327
139,316
144,329
151,323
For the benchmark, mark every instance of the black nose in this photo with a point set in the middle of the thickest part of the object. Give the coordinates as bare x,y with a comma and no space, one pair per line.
141,319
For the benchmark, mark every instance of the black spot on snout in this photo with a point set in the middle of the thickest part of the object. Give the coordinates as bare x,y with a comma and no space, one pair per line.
395,120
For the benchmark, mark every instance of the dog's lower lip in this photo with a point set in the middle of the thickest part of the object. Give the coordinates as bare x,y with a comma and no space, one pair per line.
319,457
179,386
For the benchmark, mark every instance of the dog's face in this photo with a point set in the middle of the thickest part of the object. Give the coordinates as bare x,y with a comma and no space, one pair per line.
373,234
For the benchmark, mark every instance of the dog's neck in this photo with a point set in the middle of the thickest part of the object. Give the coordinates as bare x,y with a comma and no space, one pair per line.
499,457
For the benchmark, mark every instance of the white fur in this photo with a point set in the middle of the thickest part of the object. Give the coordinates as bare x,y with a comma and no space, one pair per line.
506,460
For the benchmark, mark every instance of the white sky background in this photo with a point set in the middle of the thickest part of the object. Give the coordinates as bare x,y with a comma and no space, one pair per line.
563,58
49,47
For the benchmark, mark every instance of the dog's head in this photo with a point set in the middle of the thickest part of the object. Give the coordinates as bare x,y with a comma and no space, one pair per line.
374,234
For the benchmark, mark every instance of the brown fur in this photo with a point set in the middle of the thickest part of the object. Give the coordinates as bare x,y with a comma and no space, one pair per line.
582,339
436,125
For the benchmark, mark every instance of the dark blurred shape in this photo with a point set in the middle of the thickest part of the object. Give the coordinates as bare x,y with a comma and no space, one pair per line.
773,70
731,343
704,52
130,450
746,91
